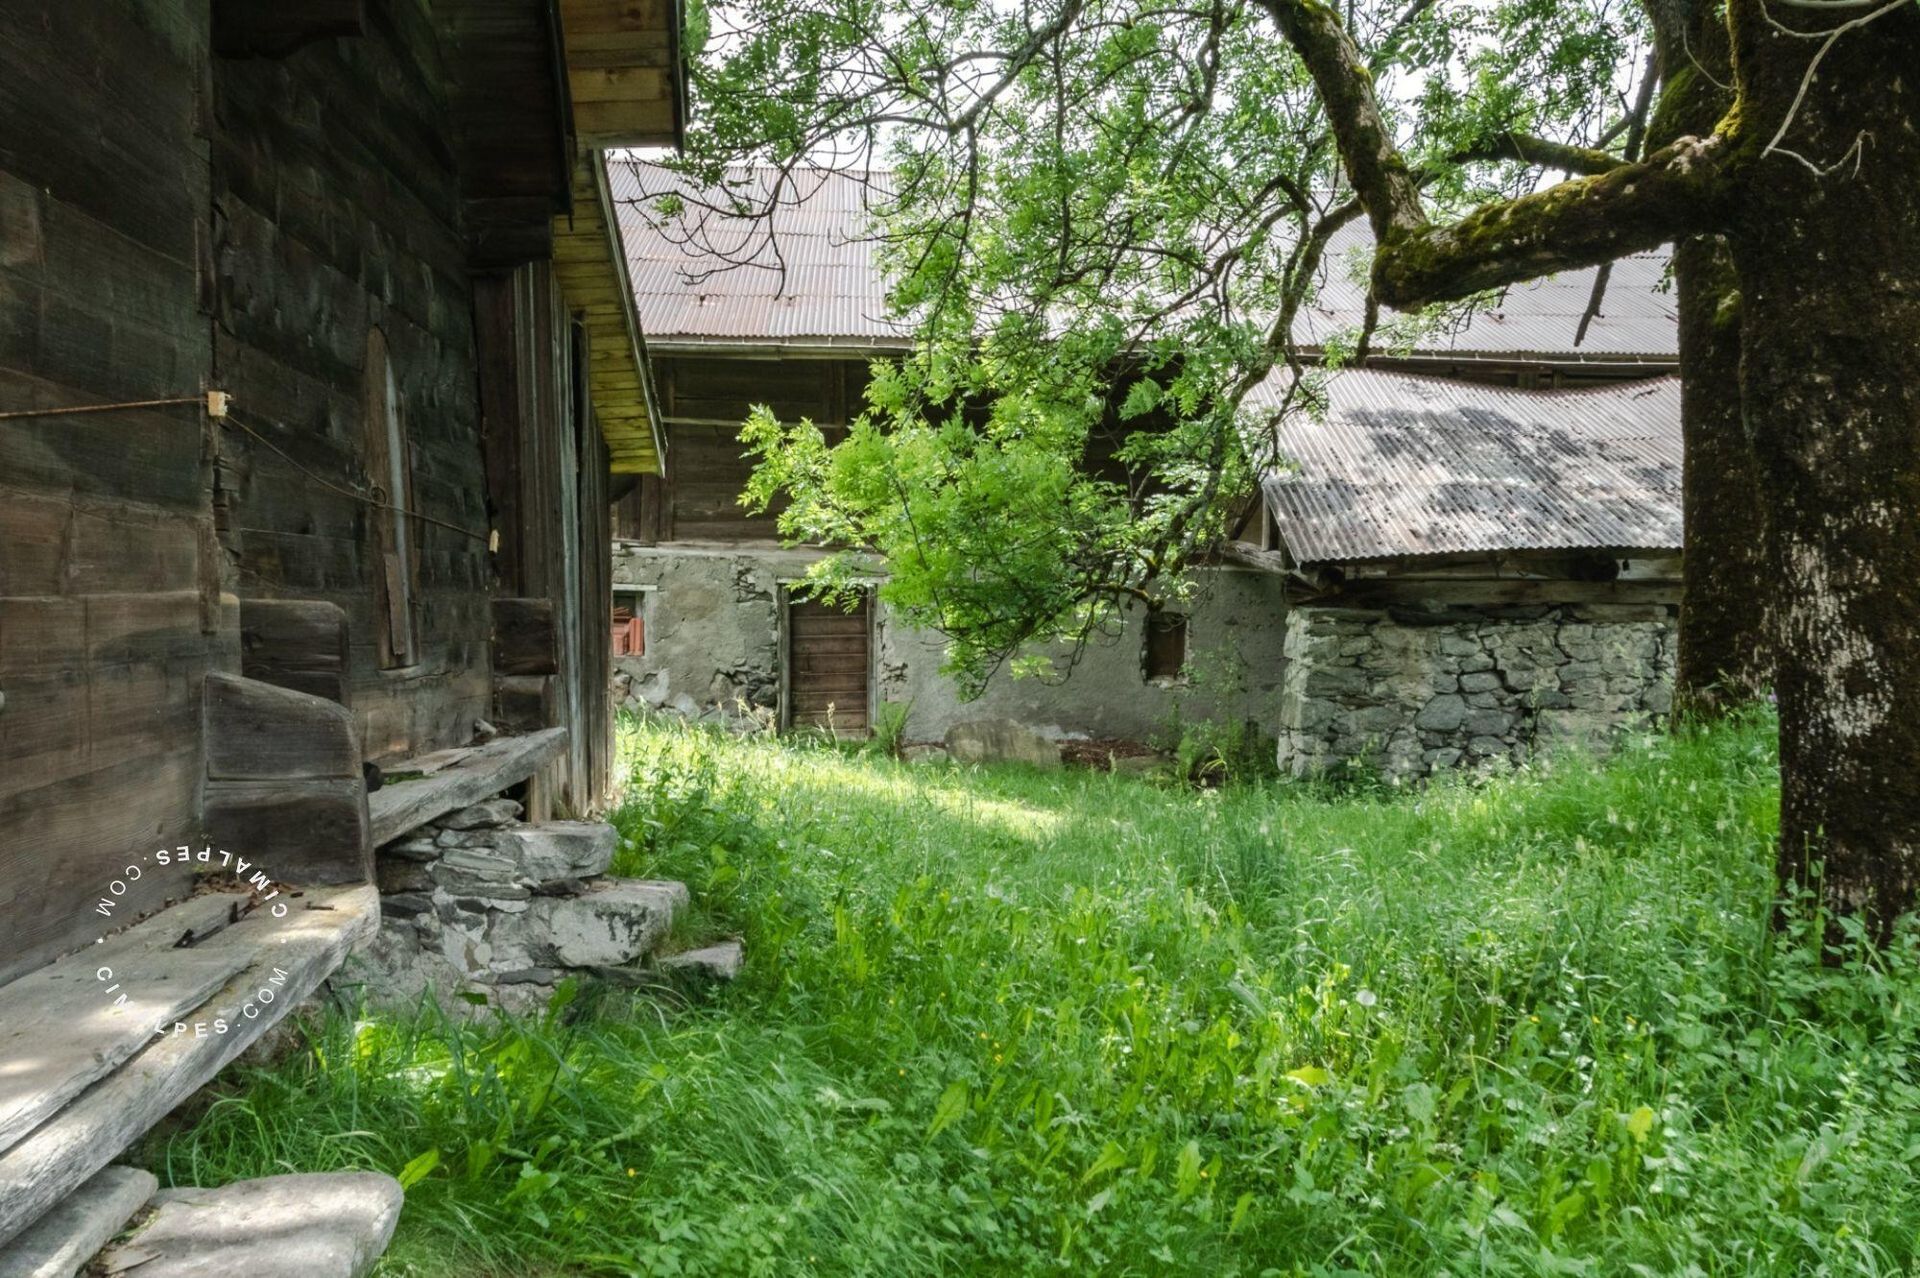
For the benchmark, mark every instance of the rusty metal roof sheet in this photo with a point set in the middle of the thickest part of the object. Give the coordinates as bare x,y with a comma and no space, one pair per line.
808,277
1539,320
1406,465
833,290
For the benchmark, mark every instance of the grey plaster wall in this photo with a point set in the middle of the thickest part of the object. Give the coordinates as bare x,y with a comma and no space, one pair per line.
1236,633
713,654
1411,693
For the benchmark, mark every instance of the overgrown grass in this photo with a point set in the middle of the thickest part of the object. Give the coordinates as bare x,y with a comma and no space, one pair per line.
1001,1021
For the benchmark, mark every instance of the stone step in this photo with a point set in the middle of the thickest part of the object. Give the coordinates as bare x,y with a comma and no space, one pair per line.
59,1243
710,964
282,964
619,921
312,1225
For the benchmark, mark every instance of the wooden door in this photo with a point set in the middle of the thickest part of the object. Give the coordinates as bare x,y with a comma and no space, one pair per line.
829,656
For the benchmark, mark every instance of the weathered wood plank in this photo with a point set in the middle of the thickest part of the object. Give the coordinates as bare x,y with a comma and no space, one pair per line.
65,1025
60,1243
405,805
284,964
523,637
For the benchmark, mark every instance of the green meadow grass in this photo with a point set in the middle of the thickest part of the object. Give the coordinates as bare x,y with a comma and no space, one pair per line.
999,1021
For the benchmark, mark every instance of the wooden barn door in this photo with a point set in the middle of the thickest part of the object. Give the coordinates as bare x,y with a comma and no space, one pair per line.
829,660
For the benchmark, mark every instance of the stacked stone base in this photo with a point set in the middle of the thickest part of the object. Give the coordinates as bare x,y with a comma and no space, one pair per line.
480,904
1407,693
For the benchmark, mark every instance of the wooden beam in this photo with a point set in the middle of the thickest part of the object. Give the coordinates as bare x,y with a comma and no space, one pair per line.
523,637
406,805
295,643
275,28
284,785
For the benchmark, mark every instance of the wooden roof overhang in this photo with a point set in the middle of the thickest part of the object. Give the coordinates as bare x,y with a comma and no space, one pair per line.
539,89
624,69
591,265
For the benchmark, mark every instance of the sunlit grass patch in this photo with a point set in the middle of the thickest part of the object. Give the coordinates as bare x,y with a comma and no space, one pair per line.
1008,1021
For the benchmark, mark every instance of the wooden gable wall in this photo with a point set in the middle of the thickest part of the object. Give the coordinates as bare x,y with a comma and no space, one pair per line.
704,400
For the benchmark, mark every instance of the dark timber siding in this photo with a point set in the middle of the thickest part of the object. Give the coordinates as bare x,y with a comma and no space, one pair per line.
705,400
335,211
108,583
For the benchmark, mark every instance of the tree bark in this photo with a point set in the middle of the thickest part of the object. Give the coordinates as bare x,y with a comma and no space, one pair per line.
1725,650
1826,240
1725,646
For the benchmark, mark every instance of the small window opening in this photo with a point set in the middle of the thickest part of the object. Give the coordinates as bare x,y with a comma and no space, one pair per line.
629,630
1166,653
396,564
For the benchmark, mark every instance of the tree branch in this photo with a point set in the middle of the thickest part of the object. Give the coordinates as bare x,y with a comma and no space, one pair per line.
1379,174
1578,223
1584,222
1528,149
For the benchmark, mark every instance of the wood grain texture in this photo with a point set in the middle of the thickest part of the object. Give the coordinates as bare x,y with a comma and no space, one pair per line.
290,959
65,1025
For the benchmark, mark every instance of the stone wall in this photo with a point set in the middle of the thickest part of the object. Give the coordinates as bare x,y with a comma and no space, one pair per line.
713,655
1409,692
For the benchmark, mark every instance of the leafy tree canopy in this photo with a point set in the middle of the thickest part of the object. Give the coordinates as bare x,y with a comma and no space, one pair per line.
1101,217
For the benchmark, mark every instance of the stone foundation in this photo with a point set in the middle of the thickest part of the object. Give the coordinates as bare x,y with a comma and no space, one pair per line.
1409,693
479,903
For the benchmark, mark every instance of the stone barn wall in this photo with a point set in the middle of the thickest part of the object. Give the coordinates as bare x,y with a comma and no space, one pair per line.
713,654
1412,692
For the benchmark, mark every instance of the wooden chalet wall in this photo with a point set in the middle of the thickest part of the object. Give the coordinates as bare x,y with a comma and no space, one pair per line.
703,401
331,220
547,479
110,610
191,196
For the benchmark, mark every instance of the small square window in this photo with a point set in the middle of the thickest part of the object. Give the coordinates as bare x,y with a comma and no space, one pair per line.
1166,652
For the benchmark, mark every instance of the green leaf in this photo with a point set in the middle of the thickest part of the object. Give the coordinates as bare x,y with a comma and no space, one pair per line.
418,1168
951,1108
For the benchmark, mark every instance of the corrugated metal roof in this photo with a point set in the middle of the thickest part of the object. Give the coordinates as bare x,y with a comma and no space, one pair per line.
830,291
833,289
1638,319
1407,465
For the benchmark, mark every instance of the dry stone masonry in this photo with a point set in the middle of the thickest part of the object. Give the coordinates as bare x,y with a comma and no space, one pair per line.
478,902
1411,692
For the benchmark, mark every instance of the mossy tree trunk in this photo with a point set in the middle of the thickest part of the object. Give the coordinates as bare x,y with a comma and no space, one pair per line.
1725,647
1826,242
1813,180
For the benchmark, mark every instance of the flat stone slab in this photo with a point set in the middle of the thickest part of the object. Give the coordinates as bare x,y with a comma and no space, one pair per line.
613,925
559,849
316,1225
1001,741
66,1238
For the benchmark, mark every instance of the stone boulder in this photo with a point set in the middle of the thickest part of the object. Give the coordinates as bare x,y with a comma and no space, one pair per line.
1001,741
615,924
320,1225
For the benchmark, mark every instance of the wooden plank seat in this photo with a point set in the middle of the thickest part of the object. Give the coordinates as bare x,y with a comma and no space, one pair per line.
408,801
83,1075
